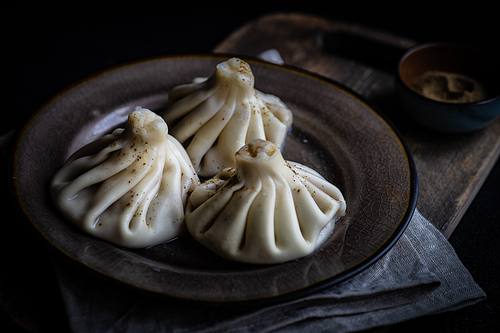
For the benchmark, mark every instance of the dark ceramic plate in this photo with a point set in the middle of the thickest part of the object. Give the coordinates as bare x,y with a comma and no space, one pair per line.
334,132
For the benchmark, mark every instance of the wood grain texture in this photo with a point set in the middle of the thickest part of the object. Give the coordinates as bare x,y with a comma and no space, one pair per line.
451,167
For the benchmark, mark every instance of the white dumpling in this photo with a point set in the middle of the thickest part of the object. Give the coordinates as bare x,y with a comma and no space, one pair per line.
215,117
265,210
129,187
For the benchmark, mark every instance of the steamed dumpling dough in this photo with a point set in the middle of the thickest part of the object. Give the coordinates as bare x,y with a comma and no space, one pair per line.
217,116
265,210
129,187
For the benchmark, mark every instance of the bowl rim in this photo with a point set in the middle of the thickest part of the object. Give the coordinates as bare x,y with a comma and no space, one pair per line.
423,45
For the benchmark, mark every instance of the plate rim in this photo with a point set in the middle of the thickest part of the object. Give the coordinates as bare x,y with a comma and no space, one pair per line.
317,286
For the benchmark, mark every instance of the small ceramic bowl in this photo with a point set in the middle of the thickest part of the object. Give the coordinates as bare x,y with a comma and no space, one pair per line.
461,92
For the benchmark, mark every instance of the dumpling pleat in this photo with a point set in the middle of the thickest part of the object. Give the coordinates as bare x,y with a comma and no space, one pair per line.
99,173
206,215
116,186
129,204
230,228
135,211
286,225
171,196
275,130
277,108
311,218
80,166
133,188
315,180
105,146
208,134
256,125
198,116
184,105
183,90
190,107
276,216
231,138
184,162
260,234
322,199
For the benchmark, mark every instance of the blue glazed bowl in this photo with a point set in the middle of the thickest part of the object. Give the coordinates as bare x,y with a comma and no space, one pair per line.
447,116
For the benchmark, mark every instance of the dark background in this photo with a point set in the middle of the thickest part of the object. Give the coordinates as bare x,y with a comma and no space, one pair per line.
47,47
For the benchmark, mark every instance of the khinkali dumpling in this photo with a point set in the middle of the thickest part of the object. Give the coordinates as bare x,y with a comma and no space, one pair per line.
129,187
215,117
265,210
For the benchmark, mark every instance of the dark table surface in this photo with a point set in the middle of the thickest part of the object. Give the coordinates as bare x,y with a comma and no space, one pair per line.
46,48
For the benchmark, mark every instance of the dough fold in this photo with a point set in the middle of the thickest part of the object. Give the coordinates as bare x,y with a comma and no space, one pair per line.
215,117
265,210
129,187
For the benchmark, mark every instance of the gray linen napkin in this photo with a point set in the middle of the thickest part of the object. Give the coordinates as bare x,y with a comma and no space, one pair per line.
420,275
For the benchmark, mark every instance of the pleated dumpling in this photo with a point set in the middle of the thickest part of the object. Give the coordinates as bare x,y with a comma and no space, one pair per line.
129,187
265,210
215,117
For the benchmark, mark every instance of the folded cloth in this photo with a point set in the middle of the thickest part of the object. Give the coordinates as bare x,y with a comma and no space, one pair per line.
420,275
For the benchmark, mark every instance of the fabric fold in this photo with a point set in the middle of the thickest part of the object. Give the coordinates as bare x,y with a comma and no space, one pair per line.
420,275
